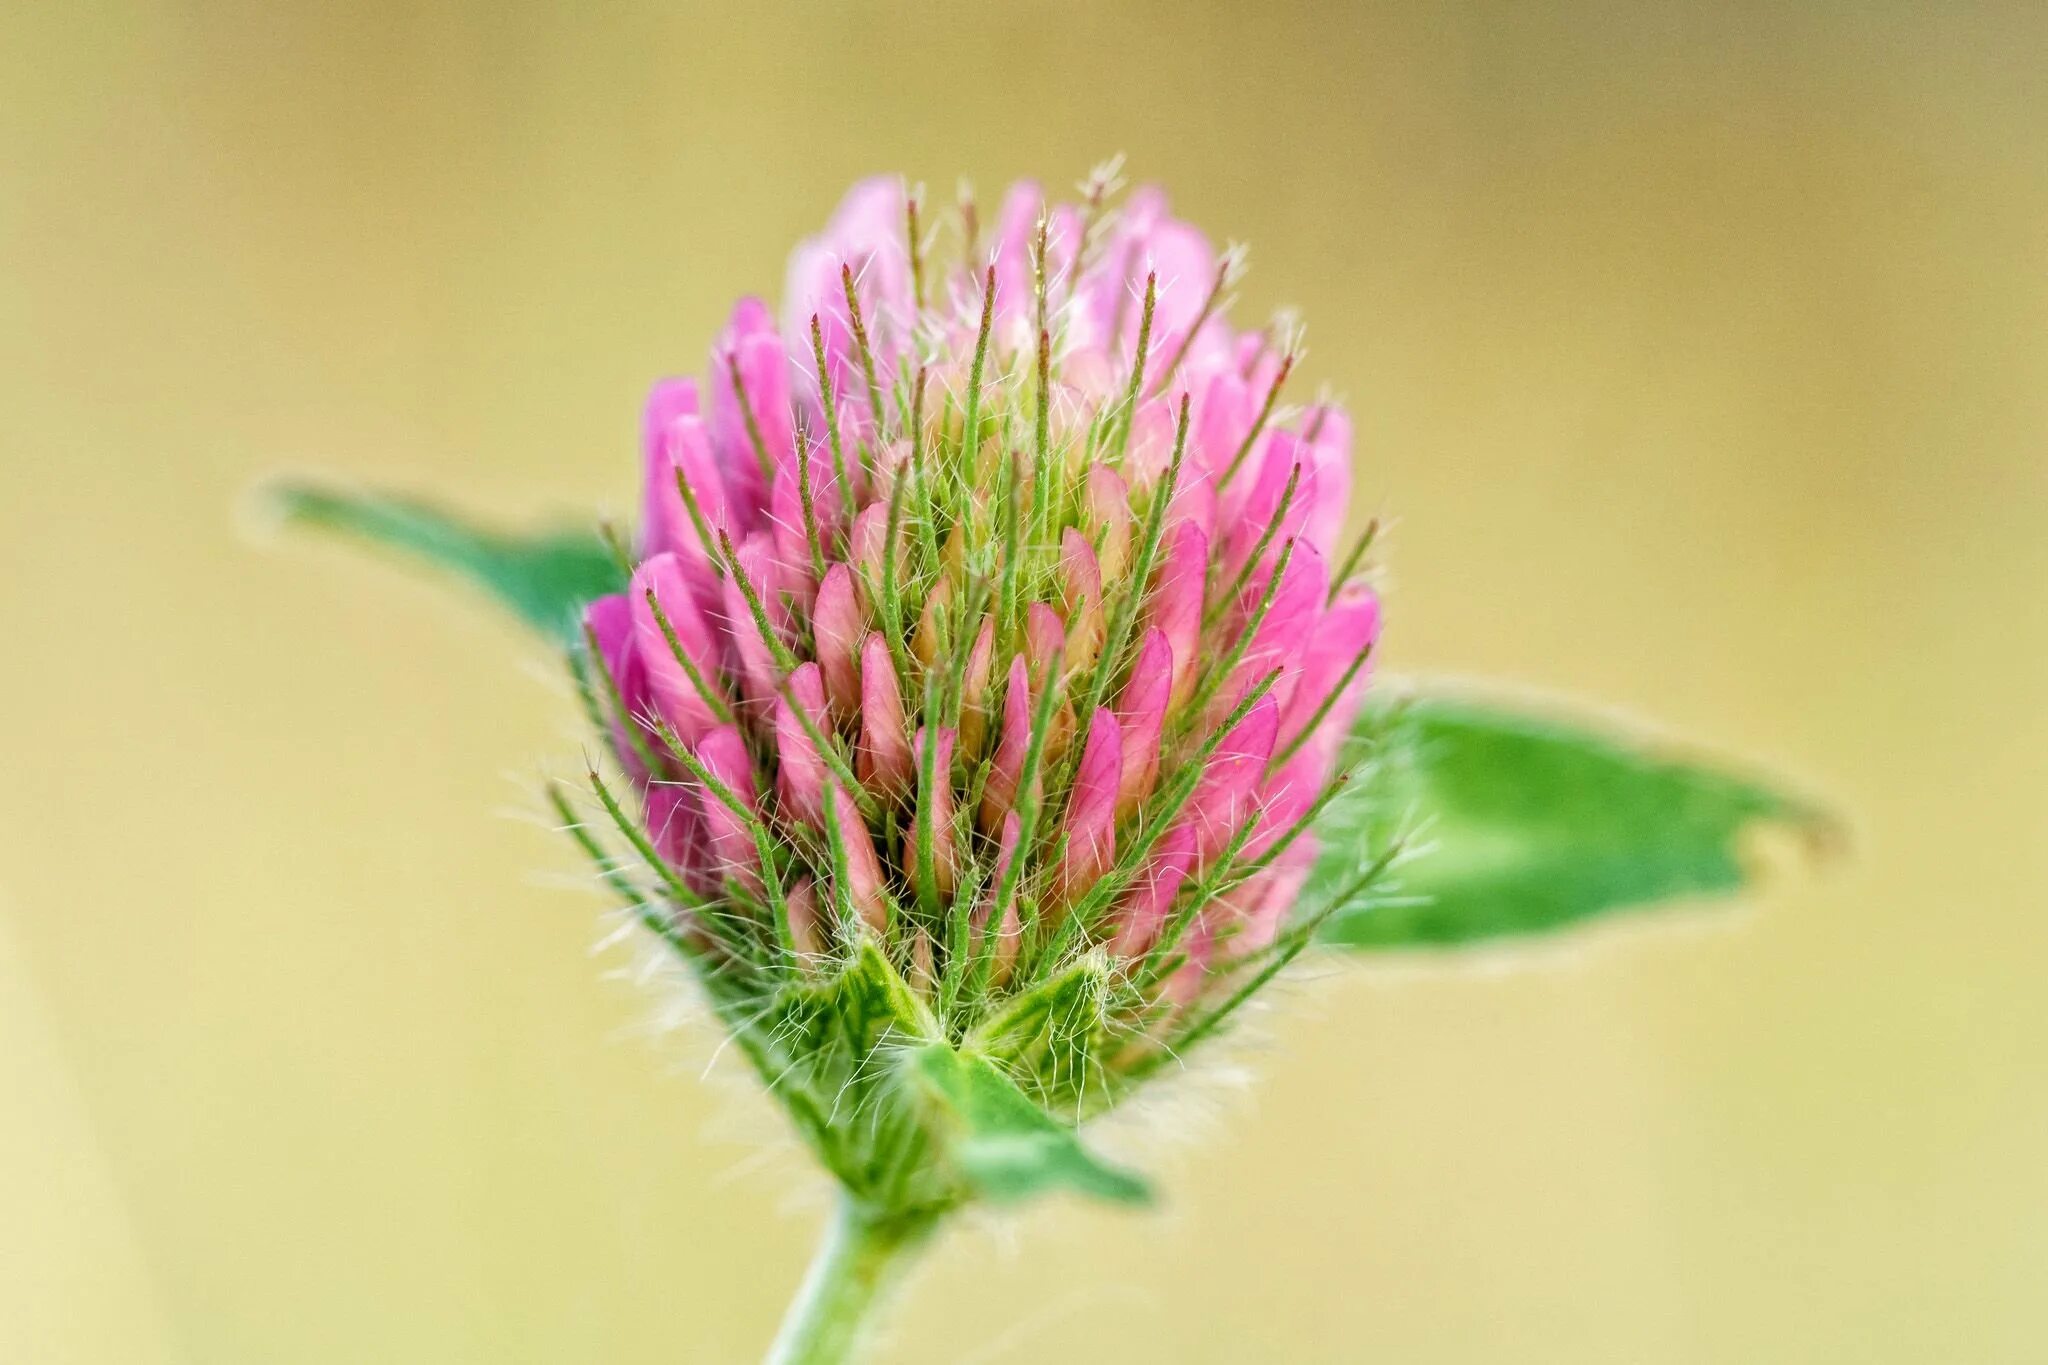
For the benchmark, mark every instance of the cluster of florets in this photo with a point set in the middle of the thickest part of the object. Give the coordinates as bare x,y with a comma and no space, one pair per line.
986,610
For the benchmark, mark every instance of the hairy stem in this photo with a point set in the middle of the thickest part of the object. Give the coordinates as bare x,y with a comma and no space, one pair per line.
863,1254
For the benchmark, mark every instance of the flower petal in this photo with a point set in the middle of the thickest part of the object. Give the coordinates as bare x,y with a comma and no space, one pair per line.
665,522
757,665
1091,807
865,237
1141,716
863,868
733,852
1177,601
837,626
1081,593
884,760
800,769
1223,800
1346,629
676,695
752,422
1006,769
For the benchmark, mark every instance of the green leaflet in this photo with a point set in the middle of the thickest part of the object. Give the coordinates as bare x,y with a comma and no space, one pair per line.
544,577
1524,822
1007,1147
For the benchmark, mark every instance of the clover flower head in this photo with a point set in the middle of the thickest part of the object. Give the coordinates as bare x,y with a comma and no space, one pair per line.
987,626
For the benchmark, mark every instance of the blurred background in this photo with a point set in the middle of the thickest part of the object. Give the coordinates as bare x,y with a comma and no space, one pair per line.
1698,352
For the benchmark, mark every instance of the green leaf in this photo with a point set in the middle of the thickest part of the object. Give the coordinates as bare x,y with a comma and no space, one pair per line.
1008,1148
545,577
1522,822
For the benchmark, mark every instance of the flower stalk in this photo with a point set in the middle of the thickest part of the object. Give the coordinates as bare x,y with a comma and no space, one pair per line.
863,1256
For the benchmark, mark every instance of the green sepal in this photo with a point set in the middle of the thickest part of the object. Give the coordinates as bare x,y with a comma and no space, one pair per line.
865,1005
1523,821
823,1046
1008,1148
544,577
1058,1039
905,1120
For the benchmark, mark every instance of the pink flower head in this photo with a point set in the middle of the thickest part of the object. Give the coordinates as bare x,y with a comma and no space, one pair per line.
990,609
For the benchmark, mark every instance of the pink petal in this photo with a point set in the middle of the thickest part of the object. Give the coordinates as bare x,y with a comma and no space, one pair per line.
1091,807
610,622
863,867
1006,769
1264,903
827,512
1194,498
1044,639
1147,239
757,661
1344,630
1282,639
884,761
865,551
1262,507
664,521
865,235
1227,409
673,825
724,756
752,347
690,460
806,930
1144,909
1141,716
1108,506
1009,934
1016,229
1286,797
1256,358
1006,848
1185,985
1081,588
1329,490
974,715
838,625
676,696
1153,432
1177,601
800,769
1223,800
1186,267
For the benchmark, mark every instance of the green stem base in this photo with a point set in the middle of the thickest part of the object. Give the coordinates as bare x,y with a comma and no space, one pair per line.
863,1254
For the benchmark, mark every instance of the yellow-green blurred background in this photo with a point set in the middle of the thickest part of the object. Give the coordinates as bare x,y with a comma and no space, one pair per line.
1699,351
